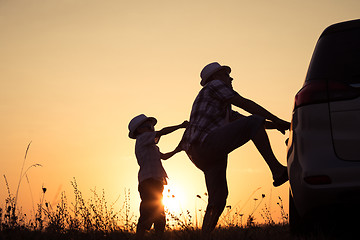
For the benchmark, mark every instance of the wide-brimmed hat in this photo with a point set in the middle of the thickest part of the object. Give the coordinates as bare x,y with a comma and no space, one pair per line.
209,70
137,121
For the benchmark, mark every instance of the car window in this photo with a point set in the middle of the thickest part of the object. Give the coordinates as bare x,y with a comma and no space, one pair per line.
337,58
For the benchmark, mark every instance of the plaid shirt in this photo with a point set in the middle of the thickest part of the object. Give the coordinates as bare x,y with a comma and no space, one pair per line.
148,157
210,110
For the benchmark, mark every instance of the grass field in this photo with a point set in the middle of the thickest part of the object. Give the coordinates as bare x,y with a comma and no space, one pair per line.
265,232
95,218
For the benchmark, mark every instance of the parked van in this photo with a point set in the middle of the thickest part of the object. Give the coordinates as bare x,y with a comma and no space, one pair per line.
324,144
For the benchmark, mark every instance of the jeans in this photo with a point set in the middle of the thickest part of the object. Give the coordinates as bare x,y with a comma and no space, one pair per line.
151,207
211,157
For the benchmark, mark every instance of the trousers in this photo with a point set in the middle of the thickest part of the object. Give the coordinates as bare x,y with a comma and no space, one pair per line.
211,157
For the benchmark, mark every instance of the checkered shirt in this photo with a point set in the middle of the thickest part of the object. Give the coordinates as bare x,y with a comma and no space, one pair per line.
209,111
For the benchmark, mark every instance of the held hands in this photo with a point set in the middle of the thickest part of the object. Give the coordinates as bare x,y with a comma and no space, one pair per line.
282,125
167,130
165,156
184,124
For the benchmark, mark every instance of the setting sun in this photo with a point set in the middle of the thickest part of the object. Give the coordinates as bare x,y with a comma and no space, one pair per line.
74,73
173,199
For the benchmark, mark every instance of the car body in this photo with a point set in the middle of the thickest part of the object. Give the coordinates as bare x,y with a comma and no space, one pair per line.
323,154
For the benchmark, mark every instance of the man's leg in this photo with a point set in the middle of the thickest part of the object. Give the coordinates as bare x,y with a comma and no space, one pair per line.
225,139
262,143
216,184
233,135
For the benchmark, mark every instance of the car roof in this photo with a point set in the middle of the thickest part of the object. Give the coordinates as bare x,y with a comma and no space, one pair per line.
342,26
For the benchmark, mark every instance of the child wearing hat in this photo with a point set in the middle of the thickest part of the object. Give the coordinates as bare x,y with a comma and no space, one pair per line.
151,176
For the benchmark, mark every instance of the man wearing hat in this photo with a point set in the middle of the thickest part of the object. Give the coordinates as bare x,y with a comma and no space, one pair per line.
152,175
215,130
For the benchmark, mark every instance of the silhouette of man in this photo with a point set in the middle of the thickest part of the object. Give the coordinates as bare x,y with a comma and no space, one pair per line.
215,130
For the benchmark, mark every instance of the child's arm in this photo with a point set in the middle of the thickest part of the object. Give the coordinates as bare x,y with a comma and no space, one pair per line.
171,129
165,156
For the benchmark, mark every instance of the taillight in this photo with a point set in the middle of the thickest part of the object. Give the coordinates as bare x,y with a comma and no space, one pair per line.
314,92
318,180
340,91
324,91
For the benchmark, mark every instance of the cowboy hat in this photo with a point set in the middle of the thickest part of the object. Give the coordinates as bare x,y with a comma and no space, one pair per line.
209,70
137,121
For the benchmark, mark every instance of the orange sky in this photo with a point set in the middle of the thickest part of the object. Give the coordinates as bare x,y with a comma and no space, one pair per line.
73,73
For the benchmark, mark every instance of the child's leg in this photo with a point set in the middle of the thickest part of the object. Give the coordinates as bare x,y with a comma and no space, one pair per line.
144,222
159,223
146,213
160,219
140,232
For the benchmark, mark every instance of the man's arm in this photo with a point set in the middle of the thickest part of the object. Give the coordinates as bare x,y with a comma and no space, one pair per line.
254,108
171,129
271,125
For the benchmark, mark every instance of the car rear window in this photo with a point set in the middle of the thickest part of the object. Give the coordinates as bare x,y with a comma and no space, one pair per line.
336,57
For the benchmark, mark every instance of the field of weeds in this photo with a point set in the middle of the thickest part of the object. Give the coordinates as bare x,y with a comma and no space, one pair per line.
95,218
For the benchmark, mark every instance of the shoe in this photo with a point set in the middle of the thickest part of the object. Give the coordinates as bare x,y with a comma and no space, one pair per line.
282,179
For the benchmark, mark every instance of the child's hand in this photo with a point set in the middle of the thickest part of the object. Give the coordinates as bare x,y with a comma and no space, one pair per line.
281,130
178,148
166,156
185,124
282,126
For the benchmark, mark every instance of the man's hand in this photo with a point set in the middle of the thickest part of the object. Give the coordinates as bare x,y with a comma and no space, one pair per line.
282,125
184,124
166,156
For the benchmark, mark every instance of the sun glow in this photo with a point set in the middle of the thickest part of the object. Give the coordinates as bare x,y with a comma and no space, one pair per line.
173,198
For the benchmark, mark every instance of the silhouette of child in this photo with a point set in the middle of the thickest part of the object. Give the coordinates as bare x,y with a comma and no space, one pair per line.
151,176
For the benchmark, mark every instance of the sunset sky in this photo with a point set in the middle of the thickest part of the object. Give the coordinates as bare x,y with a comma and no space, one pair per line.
73,73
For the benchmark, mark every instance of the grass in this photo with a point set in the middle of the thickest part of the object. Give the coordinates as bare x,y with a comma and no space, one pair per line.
95,218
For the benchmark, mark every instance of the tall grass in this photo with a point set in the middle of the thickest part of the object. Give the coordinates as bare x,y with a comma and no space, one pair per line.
96,218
